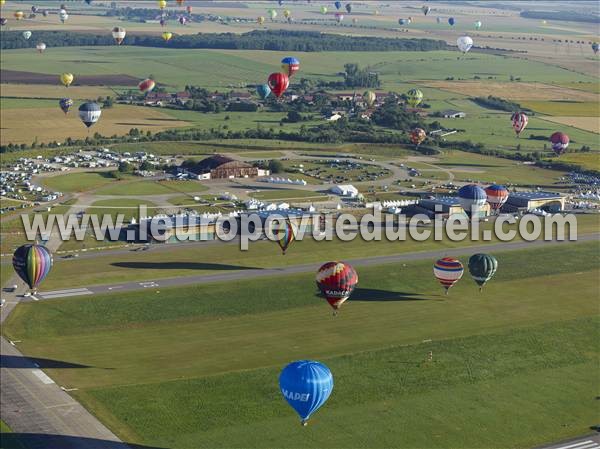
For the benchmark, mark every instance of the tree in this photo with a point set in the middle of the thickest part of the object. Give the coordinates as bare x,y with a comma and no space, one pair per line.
124,167
275,166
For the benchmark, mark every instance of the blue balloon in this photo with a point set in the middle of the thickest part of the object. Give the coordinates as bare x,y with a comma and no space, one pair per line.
472,192
338,5
306,385
451,21
263,90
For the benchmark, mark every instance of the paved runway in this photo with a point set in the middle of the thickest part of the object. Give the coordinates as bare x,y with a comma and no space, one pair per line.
590,442
267,272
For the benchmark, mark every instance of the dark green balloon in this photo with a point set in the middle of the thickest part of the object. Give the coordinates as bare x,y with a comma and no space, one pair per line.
482,267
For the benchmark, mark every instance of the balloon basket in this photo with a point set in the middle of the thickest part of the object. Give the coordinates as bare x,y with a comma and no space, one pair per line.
304,423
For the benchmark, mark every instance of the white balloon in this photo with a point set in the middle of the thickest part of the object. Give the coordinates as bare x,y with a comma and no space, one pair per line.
464,43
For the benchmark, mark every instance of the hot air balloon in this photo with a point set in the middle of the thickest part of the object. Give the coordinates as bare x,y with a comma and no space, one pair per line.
45,13
464,43
370,98
66,79
182,20
348,8
18,15
426,9
162,4
337,5
482,268
32,262
336,281
478,25
287,13
26,34
595,47
324,9
417,136
448,271
414,97
280,2
472,198
34,9
285,233
162,21
272,14
409,20
167,36
65,104
306,385
3,21
63,15
438,19
560,142
278,83
147,85
40,47
403,22
519,122
2,2
89,113
188,9
118,34
451,21
339,17
496,196
260,20
290,65
263,91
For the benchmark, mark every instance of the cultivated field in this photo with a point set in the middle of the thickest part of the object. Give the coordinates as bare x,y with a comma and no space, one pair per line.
591,124
51,124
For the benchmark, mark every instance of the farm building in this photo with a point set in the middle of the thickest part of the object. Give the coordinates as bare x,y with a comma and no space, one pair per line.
524,201
451,113
223,167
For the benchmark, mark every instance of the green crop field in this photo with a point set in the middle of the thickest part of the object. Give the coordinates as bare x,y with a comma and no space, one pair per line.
78,181
143,187
565,108
129,207
235,68
209,357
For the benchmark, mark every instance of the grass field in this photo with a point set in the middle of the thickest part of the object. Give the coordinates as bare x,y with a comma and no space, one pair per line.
234,68
33,91
53,125
524,345
173,260
591,124
562,108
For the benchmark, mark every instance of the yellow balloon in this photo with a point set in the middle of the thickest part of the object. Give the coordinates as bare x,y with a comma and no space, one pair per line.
162,4
167,36
67,79
2,2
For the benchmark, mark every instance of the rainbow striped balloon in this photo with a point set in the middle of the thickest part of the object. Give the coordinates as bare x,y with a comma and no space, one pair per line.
496,196
32,263
448,271
285,235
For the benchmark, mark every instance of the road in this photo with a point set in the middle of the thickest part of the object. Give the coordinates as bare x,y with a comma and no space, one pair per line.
589,442
40,413
294,269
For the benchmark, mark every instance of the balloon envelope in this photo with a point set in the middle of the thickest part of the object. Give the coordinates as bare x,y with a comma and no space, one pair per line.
89,113
451,21
482,267
32,263
263,90
67,79
471,198
497,195
167,36
414,97
370,98
417,136
306,385
519,121
448,271
119,34
278,83
336,281
290,65
65,104
27,34
464,43
286,233
560,142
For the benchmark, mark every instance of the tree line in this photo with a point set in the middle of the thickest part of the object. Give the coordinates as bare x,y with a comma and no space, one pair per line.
276,40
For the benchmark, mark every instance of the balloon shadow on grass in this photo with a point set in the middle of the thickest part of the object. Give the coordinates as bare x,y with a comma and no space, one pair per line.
50,441
376,295
180,266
